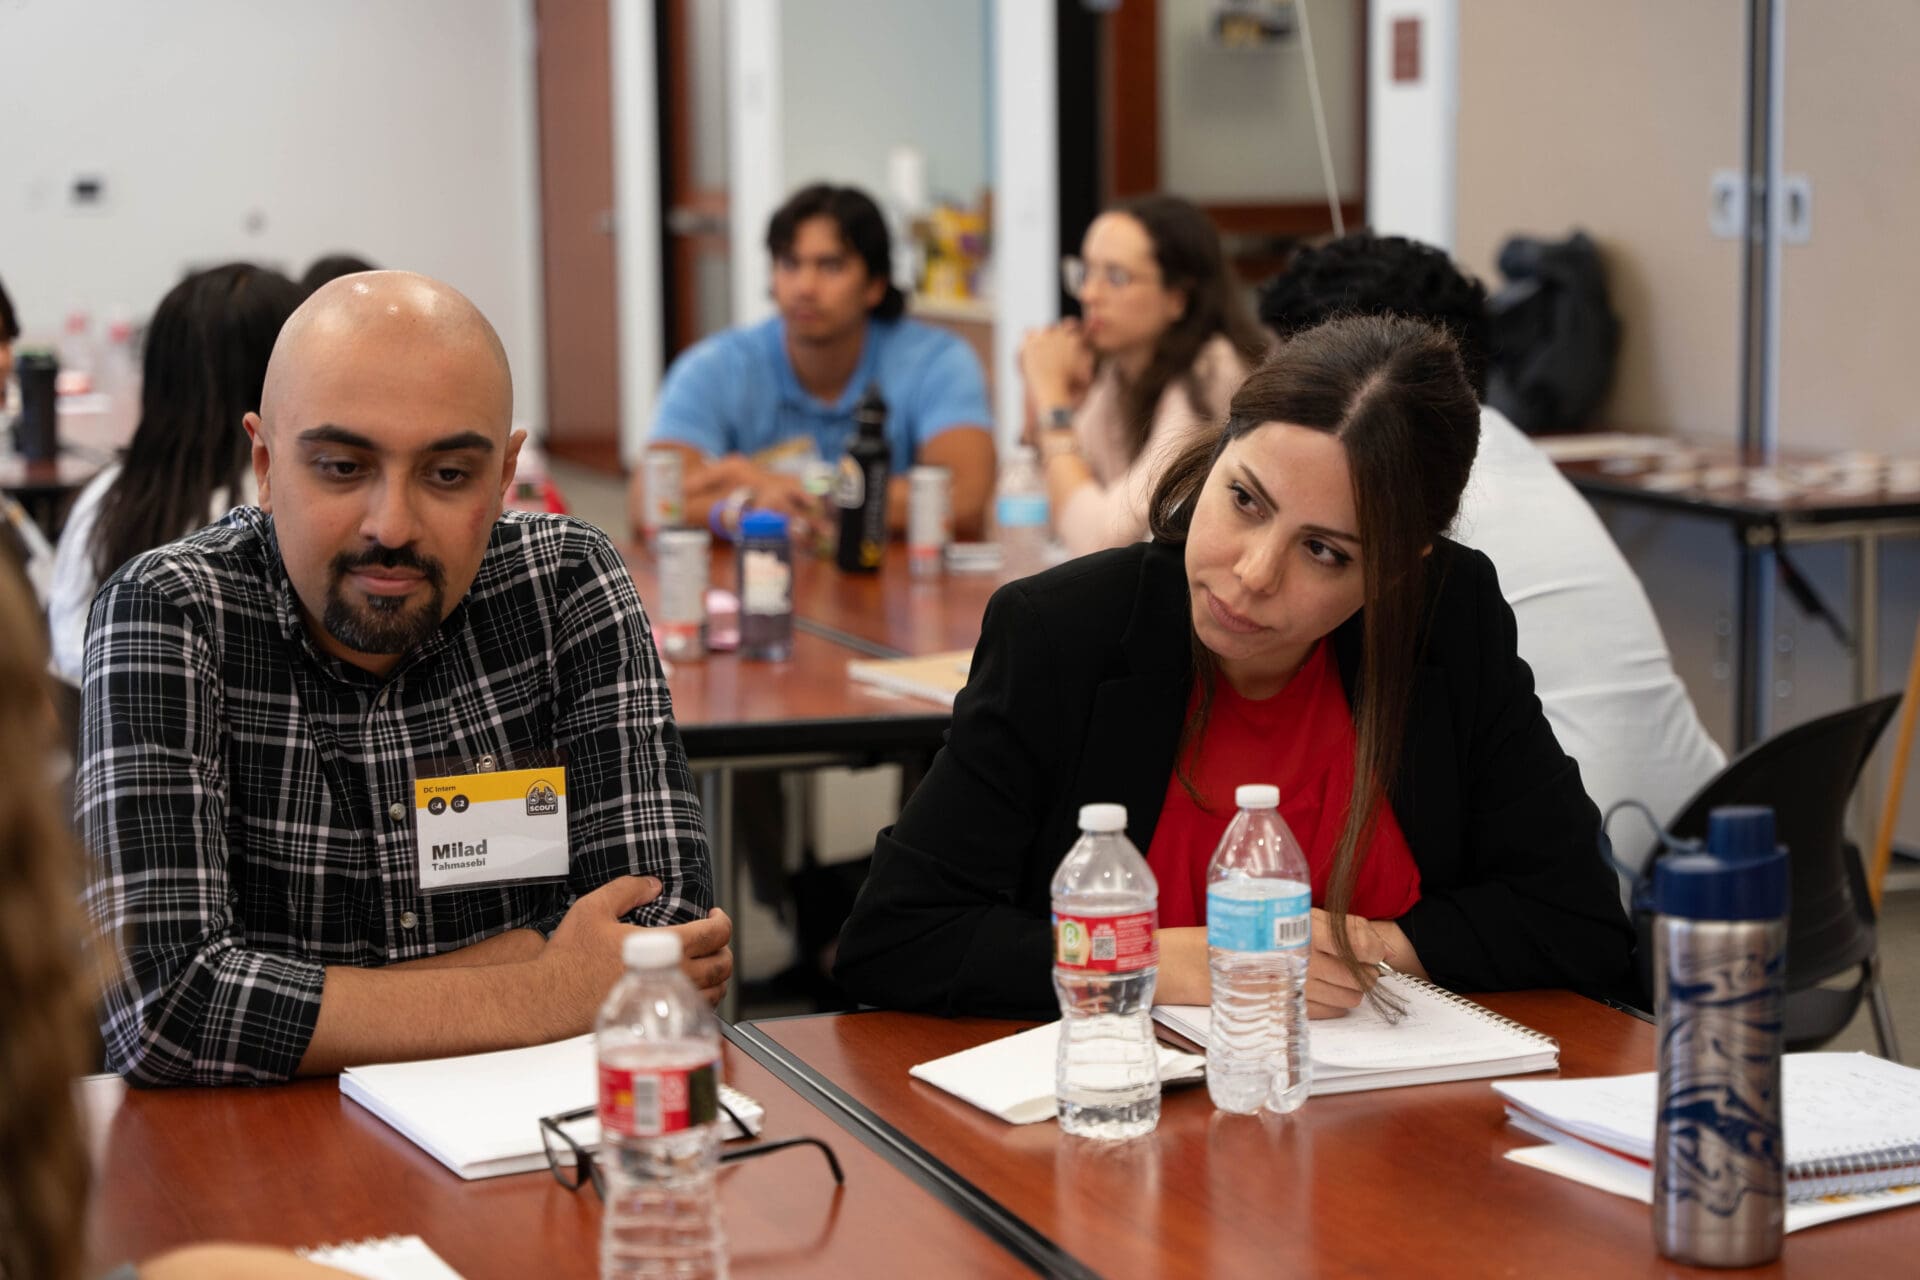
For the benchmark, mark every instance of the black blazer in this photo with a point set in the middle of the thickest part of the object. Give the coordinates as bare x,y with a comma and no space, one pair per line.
1077,695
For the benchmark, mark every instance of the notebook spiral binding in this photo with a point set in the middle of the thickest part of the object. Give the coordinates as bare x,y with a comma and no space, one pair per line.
1479,1011
1831,1173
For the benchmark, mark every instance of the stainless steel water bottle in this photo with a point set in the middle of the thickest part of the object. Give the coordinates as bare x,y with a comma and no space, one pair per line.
1720,957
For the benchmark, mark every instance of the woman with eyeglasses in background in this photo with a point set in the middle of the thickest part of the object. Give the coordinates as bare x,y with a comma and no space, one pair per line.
1163,339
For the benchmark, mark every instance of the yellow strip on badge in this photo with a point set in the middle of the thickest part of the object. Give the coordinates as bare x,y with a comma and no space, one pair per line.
536,786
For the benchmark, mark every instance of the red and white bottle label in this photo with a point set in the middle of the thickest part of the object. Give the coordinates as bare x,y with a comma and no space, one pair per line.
653,1101
1106,944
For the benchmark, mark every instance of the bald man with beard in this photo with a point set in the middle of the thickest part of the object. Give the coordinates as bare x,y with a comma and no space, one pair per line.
261,697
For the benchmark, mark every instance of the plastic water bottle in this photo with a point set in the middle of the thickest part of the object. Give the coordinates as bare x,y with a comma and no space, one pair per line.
1259,925
1105,958
659,1051
1020,514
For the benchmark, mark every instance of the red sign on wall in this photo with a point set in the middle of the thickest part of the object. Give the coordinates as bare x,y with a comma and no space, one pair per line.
1406,50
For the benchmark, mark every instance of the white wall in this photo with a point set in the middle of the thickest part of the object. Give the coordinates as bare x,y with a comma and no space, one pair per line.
859,77
397,129
1238,124
1411,146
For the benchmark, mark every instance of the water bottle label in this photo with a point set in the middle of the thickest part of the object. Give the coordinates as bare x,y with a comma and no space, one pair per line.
650,1102
1106,944
766,583
1020,510
1258,924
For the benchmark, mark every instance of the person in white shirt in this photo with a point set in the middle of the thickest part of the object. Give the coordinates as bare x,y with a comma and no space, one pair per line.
189,462
1600,664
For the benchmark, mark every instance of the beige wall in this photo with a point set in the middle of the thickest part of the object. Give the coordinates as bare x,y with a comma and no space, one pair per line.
1611,118
1848,323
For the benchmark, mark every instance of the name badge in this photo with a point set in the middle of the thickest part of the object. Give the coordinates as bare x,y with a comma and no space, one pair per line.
491,828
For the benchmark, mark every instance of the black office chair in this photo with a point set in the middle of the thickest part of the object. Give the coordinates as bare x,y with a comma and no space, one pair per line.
1806,775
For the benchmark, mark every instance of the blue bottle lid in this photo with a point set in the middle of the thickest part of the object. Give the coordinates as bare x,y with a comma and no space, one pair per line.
1700,886
1737,832
763,524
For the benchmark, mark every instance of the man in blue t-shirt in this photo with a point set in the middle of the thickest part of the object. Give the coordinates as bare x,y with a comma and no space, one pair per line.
744,406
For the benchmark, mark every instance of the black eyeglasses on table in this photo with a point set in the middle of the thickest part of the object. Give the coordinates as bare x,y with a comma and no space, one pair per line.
572,1163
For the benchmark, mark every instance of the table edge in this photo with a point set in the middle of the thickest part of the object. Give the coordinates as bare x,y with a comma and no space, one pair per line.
1006,1228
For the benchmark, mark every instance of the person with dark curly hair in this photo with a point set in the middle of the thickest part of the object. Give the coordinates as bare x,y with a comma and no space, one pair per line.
1600,663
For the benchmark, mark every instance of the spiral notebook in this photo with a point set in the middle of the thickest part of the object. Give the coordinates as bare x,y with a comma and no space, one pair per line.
1851,1120
1440,1037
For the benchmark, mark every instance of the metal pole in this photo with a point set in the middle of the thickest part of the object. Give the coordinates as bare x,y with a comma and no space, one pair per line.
1758,258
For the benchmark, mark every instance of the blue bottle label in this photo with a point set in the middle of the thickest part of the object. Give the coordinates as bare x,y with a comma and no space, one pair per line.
1236,923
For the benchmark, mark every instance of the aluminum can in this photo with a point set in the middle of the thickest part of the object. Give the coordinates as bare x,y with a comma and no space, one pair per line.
1720,962
929,519
663,492
680,625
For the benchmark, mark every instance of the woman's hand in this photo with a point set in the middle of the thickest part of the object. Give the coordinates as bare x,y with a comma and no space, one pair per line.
1183,977
1057,365
1331,990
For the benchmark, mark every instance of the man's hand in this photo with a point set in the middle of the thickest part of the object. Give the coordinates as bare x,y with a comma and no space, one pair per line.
705,957
1331,989
581,961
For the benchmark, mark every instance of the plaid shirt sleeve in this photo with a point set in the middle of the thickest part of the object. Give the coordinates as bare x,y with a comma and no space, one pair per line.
188,1003
631,804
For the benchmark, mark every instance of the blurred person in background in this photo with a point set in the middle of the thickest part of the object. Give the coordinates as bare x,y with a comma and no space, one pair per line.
331,267
46,1007
9,334
189,461
1163,339
749,407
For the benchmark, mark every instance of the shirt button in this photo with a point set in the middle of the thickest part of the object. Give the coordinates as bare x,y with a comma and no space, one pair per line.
396,811
408,920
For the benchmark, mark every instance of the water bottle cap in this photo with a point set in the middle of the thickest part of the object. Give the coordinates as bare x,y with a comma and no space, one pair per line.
1737,832
763,524
1700,886
651,949
1257,795
1103,817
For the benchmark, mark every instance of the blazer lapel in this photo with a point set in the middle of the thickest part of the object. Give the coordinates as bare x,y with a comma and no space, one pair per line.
1133,728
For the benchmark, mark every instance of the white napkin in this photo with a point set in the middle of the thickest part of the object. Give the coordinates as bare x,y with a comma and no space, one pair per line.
1012,1077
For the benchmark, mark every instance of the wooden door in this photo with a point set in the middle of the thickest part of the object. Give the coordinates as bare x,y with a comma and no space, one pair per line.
574,69
699,239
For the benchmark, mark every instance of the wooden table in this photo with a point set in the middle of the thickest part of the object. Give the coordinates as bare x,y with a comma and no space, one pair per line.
1401,1182
300,1165
889,614
1800,498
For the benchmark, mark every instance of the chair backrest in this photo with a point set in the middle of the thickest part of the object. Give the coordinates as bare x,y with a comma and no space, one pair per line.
1807,775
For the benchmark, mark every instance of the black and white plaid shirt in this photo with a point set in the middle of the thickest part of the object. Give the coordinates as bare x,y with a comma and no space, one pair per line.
248,800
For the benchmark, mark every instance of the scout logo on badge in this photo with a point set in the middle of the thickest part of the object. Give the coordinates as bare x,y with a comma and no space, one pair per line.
1070,943
542,799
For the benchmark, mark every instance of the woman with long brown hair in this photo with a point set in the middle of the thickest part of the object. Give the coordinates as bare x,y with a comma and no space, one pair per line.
1163,337
1299,619
46,1003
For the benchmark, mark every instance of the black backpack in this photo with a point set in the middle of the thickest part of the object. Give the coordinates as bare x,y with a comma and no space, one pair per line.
1554,336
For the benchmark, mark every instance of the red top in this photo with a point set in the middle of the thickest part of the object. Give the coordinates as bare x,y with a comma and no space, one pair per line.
1301,740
